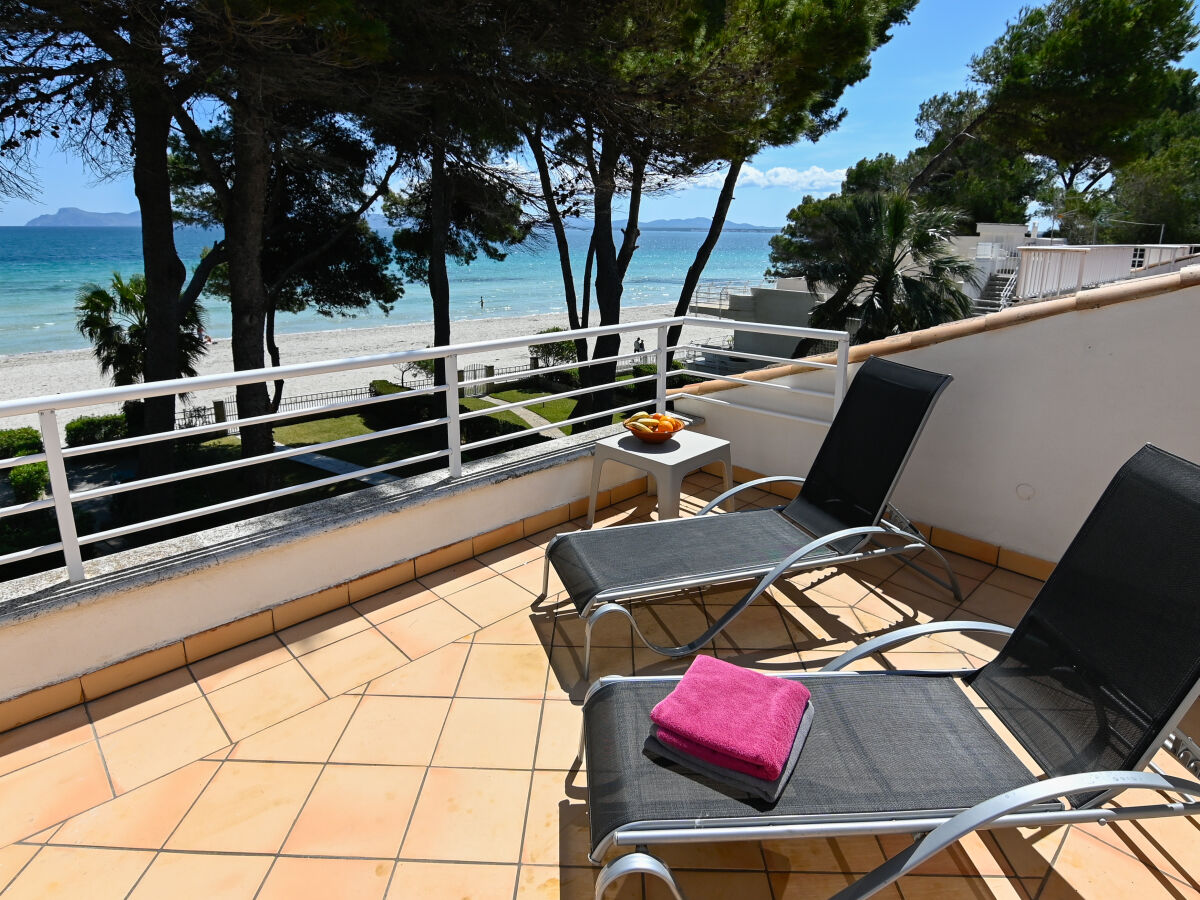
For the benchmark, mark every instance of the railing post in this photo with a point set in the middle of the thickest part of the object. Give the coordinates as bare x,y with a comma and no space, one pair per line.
839,382
61,492
453,433
1082,262
662,355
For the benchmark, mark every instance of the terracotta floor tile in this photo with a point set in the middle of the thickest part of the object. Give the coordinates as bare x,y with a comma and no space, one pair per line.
462,881
997,604
758,627
770,661
1092,869
265,699
116,710
542,538
671,621
505,670
309,736
247,808
566,681
531,575
510,556
323,630
558,737
70,873
434,675
963,566
398,731
803,885
46,792
143,818
715,886
522,627
297,878
839,586
913,580
356,811
492,734
556,825
426,629
202,876
1011,581
225,668
12,859
44,738
468,814
730,856
397,601
975,855
576,883
352,661
452,579
901,607
940,887
492,600
849,854
610,631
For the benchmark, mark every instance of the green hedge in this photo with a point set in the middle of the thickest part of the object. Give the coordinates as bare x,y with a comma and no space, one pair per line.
19,442
29,482
96,429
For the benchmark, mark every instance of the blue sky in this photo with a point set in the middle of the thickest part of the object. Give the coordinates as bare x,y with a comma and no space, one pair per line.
926,57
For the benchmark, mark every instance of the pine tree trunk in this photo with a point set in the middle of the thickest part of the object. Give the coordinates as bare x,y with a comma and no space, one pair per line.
704,252
164,275
439,280
244,224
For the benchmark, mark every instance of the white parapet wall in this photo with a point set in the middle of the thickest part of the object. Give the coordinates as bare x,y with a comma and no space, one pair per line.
140,600
1039,417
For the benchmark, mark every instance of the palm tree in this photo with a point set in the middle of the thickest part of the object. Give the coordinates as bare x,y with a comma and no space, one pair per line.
888,260
114,321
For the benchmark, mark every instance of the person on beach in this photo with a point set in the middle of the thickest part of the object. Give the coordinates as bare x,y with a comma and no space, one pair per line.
481,303
639,346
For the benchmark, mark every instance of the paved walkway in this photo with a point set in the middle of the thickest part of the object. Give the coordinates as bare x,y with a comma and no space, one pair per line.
529,417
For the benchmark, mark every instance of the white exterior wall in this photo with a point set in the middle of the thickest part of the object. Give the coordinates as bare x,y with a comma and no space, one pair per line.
1039,417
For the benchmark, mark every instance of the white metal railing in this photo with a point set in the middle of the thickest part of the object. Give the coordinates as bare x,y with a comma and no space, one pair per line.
1057,270
62,498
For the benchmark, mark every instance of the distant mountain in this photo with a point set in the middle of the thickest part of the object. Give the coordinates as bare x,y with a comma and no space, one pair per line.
698,223
70,217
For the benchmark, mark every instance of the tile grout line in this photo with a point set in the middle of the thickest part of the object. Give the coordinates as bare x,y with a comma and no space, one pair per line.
425,775
529,793
311,790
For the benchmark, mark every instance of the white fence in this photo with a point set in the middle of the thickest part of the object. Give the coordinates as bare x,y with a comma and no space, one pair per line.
1053,271
62,498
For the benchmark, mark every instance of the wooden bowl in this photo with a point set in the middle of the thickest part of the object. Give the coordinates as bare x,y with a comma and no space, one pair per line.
654,437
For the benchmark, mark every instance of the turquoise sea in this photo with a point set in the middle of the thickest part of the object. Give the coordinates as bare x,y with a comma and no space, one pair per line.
41,269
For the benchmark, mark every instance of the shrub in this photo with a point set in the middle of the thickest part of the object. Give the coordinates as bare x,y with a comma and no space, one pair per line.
96,429
555,352
19,442
401,411
29,482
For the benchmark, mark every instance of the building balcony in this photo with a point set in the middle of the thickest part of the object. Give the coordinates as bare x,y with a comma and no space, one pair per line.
364,697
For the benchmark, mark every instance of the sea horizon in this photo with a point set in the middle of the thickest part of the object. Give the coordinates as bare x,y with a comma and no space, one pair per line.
42,269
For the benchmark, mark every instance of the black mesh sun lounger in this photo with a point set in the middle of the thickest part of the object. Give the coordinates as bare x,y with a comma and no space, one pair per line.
841,514
1091,683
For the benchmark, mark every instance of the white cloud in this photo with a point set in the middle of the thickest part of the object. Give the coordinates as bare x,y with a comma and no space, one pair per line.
814,178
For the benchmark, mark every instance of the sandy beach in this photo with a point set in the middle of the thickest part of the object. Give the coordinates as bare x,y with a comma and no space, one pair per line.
56,372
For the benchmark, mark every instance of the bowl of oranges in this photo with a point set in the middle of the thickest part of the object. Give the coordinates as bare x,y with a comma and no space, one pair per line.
653,428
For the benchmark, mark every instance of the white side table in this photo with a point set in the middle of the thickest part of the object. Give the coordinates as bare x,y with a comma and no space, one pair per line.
667,463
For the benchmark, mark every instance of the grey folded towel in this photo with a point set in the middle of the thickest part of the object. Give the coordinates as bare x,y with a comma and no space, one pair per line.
767,790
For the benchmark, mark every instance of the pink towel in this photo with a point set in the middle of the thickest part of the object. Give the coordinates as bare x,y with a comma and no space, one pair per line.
732,717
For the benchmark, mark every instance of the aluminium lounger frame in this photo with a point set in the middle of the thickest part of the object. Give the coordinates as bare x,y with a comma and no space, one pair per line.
1011,809
890,534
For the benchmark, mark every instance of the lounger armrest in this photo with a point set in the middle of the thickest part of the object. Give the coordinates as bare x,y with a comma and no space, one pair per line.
749,484
987,812
903,635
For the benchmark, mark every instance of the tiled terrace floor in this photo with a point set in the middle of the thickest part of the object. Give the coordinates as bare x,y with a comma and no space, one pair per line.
419,745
